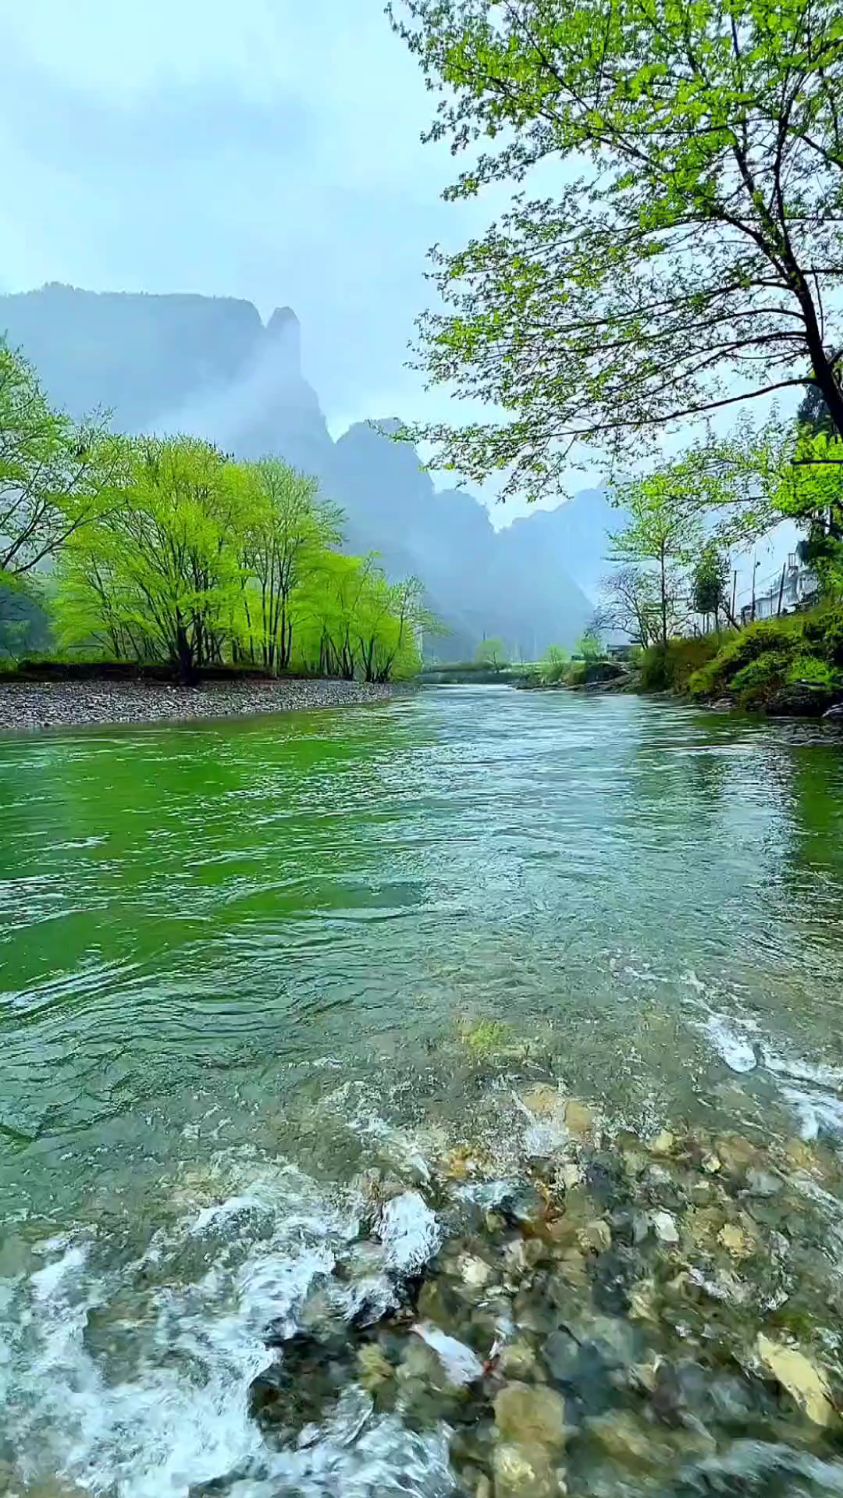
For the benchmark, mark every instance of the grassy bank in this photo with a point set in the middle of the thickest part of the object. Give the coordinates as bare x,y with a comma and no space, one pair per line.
789,665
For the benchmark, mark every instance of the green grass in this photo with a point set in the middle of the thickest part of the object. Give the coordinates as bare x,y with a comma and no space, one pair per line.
670,668
758,663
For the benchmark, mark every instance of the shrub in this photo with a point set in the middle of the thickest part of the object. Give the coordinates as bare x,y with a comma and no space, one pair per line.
814,672
756,682
824,631
669,669
576,674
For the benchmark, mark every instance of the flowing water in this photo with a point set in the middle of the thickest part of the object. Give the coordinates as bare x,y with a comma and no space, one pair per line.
249,968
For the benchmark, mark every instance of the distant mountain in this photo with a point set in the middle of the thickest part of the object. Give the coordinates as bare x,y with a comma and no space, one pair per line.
211,367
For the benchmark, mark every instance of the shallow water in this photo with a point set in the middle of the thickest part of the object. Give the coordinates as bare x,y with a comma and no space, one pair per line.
244,963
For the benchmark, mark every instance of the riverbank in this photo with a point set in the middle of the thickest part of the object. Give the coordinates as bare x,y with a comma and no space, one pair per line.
30,706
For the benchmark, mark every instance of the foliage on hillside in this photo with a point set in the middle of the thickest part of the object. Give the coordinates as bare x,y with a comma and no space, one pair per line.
778,662
167,551
669,668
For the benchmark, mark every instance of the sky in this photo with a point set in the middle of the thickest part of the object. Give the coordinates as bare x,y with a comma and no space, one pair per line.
266,149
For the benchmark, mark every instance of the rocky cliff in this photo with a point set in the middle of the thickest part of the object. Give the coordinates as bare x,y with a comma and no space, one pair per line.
211,367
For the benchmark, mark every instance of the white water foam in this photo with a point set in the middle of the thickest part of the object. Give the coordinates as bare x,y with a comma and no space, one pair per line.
168,1410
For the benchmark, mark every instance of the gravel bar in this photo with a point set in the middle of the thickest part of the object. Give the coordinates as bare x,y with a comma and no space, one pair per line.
27,706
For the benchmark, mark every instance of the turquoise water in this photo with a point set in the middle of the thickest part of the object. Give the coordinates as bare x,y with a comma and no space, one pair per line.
247,960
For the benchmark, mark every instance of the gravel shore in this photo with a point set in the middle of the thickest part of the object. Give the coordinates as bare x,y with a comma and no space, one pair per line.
26,706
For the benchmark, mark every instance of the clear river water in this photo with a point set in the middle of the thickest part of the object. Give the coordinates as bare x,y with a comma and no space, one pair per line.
285,1001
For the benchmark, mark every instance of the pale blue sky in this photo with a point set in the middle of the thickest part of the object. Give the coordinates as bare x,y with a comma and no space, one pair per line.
267,149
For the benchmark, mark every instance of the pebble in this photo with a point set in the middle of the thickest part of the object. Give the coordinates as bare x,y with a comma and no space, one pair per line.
664,1227
28,706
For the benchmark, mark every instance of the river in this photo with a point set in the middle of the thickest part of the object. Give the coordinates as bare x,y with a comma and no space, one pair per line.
256,972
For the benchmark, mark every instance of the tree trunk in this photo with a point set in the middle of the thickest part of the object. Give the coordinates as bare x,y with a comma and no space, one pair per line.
184,655
664,601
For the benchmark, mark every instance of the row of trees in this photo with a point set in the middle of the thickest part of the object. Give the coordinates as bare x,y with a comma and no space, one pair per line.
168,550
686,259
686,517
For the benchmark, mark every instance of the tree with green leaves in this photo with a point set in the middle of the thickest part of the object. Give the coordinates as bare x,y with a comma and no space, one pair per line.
709,583
492,653
156,575
682,249
55,474
662,533
286,529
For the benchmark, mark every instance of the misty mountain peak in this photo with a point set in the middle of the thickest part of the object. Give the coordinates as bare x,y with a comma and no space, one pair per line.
284,328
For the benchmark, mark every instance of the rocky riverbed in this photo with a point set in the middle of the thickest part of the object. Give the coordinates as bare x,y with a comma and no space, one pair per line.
27,706
630,1317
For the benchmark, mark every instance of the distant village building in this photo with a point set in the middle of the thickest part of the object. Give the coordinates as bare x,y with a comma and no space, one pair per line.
798,589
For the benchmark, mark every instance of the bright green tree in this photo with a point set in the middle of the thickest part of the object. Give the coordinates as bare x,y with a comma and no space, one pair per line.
492,653
158,575
55,474
709,582
661,532
285,532
682,249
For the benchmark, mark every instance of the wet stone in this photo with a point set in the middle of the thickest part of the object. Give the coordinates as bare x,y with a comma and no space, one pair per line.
523,1470
531,1415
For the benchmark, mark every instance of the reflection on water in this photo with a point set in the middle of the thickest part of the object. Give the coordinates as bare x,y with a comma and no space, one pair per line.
234,951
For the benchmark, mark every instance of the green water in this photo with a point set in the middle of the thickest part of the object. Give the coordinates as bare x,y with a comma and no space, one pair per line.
305,943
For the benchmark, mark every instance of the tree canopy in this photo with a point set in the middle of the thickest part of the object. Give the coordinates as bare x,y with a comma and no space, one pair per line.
200,561
685,243
54,473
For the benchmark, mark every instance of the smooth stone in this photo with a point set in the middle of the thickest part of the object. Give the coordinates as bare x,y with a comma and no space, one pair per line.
579,1119
542,1100
763,1182
473,1271
596,1236
523,1470
460,1364
531,1415
805,1383
518,1361
665,1228
622,1438
374,1368
663,1144
737,1241
561,1353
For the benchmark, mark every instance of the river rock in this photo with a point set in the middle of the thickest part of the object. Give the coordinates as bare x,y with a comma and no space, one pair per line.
737,1240
663,1144
665,1228
579,1119
561,1353
523,1470
834,714
623,1438
806,1384
461,1366
474,1272
531,1415
518,1360
596,1236
763,1182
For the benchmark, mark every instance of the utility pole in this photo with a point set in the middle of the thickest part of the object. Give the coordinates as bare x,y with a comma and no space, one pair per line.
781,592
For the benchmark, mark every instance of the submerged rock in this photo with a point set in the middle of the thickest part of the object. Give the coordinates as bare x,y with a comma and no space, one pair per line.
461,1365
530,1415
804,1382
523,1470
